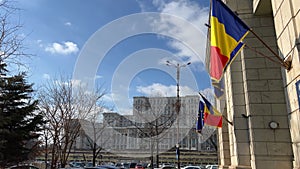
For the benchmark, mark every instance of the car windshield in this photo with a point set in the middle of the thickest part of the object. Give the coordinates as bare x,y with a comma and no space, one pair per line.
132,165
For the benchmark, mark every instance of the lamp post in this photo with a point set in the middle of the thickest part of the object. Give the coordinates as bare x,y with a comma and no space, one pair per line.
177,108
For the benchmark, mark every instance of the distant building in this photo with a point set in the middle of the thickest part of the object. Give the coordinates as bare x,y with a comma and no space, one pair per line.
153,121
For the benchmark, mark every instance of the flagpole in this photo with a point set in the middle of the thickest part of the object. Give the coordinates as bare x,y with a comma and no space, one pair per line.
231,123
286,65
254,50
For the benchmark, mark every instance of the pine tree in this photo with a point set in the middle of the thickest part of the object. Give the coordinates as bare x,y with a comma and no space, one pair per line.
20,120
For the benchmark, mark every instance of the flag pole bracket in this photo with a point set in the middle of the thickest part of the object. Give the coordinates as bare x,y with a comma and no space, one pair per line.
288,63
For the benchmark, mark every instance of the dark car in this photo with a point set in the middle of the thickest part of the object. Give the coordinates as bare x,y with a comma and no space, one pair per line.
132,165
76,164
88,164
145,165
126,165
119,165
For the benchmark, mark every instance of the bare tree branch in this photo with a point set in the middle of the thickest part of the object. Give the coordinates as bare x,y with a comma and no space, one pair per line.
65,104
11,40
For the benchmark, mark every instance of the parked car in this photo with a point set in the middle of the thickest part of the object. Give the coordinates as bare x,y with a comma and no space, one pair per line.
90,167
167,167
103,167
126,165
119,165
132,165
165,164
23,166
76,164
145,165
149,165
212,167
88,164
107,167
139,166
191,167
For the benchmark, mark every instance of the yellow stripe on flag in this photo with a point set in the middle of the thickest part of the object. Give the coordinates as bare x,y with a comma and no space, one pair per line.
221,39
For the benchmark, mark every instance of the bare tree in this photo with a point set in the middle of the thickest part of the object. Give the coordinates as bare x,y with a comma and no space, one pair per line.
11,40
95,130
65,103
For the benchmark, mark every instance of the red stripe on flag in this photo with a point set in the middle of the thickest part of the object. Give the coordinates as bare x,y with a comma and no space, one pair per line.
212,120
217,62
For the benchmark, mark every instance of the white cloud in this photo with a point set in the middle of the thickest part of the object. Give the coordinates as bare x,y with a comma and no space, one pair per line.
39,42
98,77
68,24
118,103
195,15
46,76
65,48
126,111
158,89
142,6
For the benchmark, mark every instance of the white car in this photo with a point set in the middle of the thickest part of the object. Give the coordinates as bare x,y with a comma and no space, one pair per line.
212,167
191,167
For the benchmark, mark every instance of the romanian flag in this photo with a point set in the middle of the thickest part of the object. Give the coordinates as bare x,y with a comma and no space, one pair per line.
226,33
200,119
212,116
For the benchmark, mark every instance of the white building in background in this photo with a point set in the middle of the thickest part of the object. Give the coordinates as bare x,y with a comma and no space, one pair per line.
153,122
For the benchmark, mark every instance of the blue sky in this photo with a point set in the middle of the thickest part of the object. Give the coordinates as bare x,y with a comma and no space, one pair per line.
122,45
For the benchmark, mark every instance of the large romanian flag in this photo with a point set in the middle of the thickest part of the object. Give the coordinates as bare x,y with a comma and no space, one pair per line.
226,33
212,116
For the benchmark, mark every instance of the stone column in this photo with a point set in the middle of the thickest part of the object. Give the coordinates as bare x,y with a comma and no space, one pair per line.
223,138
238,133
270,148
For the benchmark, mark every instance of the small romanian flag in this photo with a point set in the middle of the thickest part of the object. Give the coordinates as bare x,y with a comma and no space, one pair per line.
226,33
212,116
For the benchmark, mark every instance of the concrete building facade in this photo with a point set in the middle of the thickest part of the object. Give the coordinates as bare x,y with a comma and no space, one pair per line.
261,96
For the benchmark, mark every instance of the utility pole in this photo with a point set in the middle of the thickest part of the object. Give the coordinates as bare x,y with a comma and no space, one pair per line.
177,107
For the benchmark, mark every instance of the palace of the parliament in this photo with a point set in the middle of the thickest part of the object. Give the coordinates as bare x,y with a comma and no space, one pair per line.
152,128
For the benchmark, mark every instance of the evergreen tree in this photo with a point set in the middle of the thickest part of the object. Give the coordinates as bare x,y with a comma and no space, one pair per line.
20,120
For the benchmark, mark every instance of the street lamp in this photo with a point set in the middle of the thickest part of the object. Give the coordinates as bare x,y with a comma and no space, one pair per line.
178,105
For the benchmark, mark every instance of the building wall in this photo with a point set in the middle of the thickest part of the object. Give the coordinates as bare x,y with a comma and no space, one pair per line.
259,90
286,15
